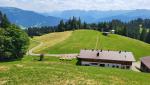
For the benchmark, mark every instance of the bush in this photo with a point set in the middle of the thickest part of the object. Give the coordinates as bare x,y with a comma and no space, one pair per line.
41,57
13,43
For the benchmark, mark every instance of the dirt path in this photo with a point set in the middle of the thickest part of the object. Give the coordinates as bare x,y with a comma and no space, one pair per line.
136,66
30,52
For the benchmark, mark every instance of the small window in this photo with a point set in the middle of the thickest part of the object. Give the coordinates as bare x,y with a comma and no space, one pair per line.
102,65
123,67
127,67
117,66
93,63
113,66
86,64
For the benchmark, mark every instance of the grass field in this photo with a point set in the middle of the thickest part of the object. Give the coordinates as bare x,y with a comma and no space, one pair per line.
33,43
51,39
52,71
81,39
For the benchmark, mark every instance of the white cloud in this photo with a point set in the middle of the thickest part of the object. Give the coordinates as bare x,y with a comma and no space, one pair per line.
52,5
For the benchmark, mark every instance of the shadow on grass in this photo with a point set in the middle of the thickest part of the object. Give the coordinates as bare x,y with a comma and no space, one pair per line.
9,60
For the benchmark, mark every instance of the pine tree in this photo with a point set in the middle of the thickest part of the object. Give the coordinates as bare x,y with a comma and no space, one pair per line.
61,26
148,37
85,25
79,23
74,23
5,22
124,31
1,19
143,34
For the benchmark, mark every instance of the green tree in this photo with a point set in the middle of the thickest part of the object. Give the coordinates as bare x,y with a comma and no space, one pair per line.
0,18
61,26
148,37
79,24
85,25
124,31
14,42
5,22
143,34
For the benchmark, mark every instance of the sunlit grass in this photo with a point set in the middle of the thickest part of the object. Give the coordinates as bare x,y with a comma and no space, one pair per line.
53,71
51,39
81,39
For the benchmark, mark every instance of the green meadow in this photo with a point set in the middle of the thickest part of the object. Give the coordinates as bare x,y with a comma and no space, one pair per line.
52,71
81,39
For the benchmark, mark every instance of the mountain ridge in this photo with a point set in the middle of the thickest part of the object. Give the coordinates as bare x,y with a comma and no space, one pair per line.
28,18
93,16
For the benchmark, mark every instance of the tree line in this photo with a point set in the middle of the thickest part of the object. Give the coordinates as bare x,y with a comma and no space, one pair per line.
137,29
14,41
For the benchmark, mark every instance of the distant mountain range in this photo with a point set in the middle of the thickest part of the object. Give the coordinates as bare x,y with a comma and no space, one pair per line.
29,18
99,16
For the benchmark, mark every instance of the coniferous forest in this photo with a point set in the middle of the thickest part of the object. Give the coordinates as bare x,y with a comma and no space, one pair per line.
137,29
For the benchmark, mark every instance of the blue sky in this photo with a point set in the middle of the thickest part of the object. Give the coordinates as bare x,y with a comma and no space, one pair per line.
59,5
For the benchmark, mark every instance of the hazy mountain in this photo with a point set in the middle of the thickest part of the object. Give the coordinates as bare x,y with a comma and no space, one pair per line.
97,16
134,14
88,16
28,18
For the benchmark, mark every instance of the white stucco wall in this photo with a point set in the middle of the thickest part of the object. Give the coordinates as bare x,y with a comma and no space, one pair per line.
106,64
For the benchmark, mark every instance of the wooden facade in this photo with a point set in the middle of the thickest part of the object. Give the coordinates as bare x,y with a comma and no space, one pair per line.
145,64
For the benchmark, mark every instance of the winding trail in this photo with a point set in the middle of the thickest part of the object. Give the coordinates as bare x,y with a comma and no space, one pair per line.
68,56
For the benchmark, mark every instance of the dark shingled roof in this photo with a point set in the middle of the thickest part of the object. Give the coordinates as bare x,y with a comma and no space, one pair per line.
106,55
146,61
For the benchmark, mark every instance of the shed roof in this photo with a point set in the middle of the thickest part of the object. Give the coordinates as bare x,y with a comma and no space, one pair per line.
106,55
146,61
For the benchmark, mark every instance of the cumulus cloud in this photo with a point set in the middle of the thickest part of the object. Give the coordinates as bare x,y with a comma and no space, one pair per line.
53,5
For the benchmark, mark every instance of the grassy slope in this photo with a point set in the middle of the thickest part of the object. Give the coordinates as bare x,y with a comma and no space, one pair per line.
87,39
52,71
33,43
52,39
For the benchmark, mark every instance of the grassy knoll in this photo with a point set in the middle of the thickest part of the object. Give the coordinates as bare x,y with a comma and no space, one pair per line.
52,71
51,39
87,39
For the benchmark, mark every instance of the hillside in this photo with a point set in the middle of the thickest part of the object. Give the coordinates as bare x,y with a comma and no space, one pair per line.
81,39
53,71
28,18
